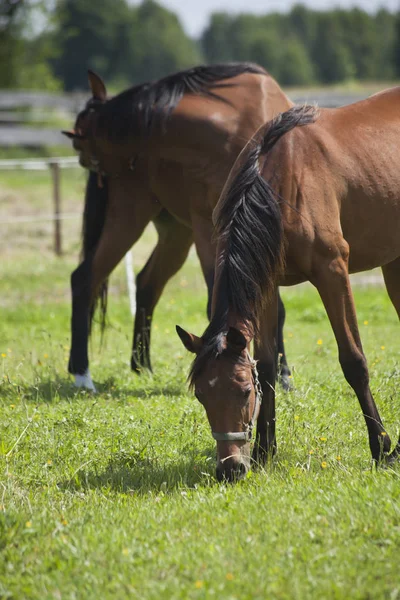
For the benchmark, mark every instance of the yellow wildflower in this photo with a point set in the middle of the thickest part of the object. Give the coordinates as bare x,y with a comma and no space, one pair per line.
3,354
198,584
319,342
229,576
324,464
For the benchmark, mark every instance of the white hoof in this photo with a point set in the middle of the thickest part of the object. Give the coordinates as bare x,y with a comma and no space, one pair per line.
85,381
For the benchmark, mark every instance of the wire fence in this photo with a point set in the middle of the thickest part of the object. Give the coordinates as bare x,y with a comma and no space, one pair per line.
54,165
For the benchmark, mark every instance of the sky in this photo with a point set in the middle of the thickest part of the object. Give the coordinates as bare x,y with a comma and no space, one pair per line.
194,14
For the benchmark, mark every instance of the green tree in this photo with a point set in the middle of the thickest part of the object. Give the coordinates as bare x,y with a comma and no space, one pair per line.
359,36
330,55
88,35
158,44
11,45
385,29
295,65
215,40
303,23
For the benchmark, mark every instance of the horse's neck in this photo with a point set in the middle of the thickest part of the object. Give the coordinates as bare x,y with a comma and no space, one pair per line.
222,313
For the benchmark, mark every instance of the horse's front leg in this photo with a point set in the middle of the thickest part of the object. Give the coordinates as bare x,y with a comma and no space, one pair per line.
331,278
265,355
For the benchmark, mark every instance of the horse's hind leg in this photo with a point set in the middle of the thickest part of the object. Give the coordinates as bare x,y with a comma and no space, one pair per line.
283,368
391,274
167,258
332,281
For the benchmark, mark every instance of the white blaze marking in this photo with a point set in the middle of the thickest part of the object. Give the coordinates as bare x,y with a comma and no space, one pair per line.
212,382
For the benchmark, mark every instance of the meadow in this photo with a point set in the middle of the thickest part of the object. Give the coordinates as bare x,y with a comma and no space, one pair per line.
114,496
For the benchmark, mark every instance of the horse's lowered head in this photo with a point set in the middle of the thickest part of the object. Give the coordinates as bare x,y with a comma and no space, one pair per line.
97,151
225,382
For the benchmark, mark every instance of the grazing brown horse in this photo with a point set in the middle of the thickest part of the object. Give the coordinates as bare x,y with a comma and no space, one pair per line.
160,152
315,195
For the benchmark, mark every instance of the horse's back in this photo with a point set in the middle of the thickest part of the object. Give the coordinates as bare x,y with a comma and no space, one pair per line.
340,178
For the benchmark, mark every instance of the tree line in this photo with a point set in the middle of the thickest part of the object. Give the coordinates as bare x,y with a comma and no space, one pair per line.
49,44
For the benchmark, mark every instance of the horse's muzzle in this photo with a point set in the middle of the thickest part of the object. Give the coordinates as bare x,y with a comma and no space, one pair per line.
232,469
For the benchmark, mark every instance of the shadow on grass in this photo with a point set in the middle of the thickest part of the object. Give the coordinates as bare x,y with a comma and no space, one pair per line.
134,474
61,388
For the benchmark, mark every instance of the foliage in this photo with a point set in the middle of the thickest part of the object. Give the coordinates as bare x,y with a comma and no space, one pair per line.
24,57
131,44
306,45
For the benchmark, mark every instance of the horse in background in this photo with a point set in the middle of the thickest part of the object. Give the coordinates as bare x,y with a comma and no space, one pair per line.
160,152
314,196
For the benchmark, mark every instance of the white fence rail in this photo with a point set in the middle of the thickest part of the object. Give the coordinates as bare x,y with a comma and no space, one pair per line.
39,164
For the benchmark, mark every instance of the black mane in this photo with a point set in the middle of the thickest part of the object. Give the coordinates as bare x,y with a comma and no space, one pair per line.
249,230
137,110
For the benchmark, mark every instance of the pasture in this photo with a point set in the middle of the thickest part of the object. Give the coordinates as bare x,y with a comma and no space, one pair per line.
114,495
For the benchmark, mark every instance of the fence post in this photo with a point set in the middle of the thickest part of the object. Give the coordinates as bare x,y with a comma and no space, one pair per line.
55,170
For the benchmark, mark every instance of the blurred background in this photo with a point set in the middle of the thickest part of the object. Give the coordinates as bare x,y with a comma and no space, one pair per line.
49,44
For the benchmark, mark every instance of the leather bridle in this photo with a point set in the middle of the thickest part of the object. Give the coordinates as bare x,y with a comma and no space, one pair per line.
246,435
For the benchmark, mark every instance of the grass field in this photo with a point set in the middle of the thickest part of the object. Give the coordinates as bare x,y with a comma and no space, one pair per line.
114,496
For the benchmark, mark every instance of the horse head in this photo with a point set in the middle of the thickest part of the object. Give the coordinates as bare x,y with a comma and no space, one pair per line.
225,382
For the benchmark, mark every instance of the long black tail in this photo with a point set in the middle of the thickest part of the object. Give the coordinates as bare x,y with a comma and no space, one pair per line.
94,216
248,223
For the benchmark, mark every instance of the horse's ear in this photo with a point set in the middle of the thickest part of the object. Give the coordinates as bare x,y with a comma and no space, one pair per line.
72,135
235,339
189,340
97,86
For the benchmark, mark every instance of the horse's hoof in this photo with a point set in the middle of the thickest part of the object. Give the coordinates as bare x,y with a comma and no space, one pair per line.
139,369
393,457
85,381
286,383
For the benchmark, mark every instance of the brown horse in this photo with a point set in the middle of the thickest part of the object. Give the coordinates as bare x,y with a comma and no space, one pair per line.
315,195
162,152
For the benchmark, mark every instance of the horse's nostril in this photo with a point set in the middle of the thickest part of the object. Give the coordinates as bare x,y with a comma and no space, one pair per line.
232,471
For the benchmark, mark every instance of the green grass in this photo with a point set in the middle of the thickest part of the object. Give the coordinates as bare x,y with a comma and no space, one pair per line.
114,495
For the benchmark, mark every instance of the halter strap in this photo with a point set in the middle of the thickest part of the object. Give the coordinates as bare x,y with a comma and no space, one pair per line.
246,435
